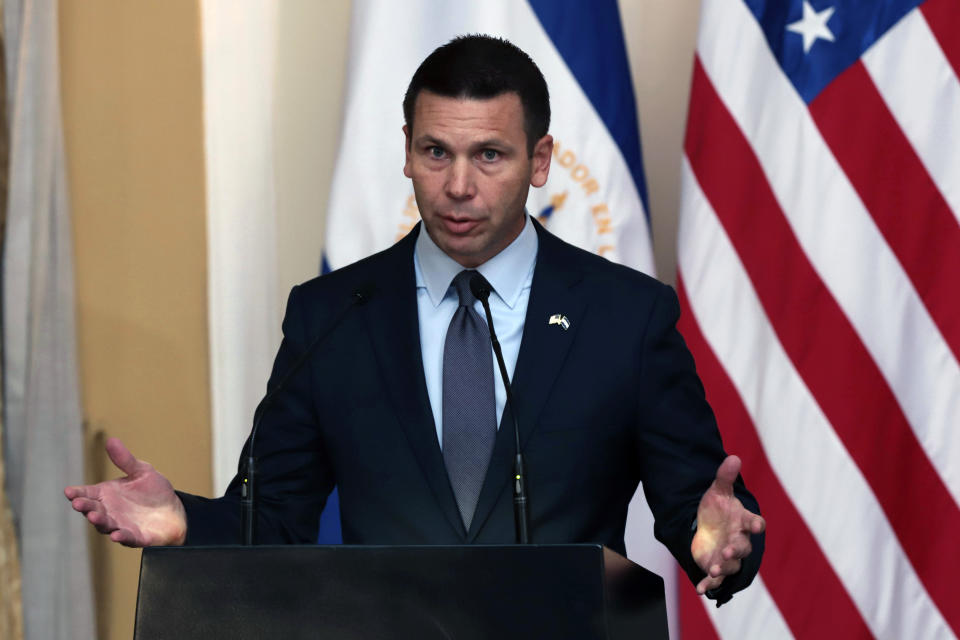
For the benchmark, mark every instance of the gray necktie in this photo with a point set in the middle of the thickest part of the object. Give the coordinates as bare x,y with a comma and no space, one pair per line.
469,408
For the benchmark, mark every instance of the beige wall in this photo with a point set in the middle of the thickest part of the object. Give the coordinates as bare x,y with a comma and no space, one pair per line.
132,99
132,120
311,62
661,38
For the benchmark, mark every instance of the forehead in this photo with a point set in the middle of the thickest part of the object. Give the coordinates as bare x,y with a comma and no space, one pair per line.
469,118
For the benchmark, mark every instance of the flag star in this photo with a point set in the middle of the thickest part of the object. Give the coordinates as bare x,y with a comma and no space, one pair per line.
812,26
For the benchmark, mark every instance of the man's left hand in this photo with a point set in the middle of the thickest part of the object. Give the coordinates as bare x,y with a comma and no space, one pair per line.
724,526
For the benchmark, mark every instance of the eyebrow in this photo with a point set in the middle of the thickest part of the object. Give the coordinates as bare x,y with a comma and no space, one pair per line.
480,144
428,139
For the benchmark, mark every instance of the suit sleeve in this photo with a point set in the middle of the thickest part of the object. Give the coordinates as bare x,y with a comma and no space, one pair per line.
293,473
680,446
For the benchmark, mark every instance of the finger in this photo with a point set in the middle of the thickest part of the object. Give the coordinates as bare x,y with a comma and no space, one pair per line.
102,522
85,505
709,583
126,538
738,549
85,491
753,523
104,529
728,471
726,568
121,456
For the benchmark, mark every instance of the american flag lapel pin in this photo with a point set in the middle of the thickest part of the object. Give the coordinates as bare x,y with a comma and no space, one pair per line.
560,319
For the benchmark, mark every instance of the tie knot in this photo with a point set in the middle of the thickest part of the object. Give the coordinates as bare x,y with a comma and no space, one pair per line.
462,284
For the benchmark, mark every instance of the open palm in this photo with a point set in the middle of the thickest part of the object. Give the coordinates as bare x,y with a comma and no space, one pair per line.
724,526
138,510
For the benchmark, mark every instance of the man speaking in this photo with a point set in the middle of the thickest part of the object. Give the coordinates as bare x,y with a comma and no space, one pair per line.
399,404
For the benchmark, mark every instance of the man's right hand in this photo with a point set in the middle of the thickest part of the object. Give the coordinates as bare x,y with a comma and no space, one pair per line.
139,510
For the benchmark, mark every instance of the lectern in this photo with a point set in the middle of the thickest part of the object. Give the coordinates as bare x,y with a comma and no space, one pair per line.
582,592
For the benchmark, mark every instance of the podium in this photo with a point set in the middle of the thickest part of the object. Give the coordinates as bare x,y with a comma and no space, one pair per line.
581,592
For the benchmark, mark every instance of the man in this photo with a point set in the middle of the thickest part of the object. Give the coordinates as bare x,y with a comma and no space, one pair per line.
398,411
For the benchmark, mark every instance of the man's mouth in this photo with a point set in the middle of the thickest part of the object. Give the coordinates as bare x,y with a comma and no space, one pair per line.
459,224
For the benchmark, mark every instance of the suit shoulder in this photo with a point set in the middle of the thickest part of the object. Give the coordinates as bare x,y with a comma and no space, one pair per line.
610,276
360,276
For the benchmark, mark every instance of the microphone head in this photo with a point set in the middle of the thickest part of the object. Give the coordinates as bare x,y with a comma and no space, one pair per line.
479,287
363,293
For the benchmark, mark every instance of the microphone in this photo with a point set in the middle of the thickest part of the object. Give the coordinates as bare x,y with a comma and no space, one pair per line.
248,486
481,291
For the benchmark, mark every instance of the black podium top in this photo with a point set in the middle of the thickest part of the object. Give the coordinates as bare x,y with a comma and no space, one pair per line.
467,592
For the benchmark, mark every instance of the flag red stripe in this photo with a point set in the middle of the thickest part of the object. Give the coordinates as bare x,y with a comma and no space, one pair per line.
824,347
824,612
943,16
890,178
694,622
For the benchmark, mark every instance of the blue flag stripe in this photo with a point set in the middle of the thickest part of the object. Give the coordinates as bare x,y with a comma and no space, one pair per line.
855,25
330,531
589,37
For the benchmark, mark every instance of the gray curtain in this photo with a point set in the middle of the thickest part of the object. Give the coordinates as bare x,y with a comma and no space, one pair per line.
11,613
42,417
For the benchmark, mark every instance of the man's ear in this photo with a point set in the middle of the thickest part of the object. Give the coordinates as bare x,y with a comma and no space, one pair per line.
406,162
540,164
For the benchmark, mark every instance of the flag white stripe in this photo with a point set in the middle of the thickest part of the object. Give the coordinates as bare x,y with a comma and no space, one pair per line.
919,86
836,231
813,466
751,614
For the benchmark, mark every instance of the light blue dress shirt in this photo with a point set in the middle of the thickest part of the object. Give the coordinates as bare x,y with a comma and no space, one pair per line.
510,274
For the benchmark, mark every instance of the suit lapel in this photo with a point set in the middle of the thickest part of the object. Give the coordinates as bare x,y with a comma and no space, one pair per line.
393,326
542,353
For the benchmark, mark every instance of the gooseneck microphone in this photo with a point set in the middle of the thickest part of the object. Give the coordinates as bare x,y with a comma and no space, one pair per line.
248,486
481,291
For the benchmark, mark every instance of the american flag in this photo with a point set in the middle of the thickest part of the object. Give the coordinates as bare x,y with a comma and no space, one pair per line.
819,274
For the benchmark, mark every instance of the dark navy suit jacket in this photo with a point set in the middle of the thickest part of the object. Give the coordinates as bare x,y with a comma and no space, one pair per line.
611,401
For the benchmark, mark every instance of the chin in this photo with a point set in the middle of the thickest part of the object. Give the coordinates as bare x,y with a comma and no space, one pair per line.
461,252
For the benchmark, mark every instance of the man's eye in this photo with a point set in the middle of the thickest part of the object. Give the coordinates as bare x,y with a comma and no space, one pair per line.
489,155
436,152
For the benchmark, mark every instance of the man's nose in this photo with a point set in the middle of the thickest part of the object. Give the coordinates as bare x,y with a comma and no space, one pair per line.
460,180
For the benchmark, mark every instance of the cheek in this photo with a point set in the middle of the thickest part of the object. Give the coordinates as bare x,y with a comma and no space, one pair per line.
426,200
423,185
429,180
512,193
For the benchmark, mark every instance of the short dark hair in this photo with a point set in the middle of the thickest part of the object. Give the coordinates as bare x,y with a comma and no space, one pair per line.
481,66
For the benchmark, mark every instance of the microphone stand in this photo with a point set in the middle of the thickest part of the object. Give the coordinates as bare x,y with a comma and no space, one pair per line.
248,486
481,291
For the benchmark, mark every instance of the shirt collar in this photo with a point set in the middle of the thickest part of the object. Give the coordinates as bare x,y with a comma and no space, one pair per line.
507,272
